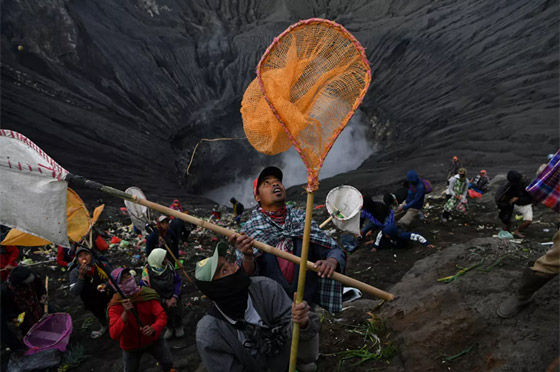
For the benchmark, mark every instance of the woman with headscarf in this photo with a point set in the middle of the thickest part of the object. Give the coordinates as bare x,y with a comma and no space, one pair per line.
456,193
137,321
160,275
176,205
88,280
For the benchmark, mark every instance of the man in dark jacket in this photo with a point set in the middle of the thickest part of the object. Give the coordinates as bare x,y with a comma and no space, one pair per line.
481,182
407,211
453,167
24,292
249,326
238,209
162,235
88,280
512,197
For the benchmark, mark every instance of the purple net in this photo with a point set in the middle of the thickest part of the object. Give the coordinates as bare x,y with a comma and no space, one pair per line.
51,332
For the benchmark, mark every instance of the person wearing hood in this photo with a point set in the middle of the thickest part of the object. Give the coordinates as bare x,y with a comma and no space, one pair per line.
88,280
176,206
393,236
24,292
408,210
163,235
456,194
281,226
160,275
249,326
137,338
512,197
543,189
238,209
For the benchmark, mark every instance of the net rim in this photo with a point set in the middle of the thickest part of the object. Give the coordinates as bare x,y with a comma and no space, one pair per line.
313,181
354,212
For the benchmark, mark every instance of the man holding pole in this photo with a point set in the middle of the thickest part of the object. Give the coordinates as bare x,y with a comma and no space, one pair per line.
281,226
249,326
162,235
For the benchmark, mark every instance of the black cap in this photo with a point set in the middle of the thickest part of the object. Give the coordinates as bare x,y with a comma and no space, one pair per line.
268,171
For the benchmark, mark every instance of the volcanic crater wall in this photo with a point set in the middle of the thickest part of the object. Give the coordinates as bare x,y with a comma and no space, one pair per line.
122,91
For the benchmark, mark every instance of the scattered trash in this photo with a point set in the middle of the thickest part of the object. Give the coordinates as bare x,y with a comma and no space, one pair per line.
503,235
350,294
546,230
547,243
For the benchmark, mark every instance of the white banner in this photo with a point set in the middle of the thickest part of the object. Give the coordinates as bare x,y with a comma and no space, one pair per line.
32,189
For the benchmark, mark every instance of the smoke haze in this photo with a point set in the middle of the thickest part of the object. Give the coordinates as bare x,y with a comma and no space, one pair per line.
348,152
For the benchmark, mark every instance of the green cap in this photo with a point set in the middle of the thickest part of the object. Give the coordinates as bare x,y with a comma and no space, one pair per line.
206,268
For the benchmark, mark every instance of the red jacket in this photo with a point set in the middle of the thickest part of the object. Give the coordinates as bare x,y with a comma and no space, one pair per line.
63,256
9,255
129,335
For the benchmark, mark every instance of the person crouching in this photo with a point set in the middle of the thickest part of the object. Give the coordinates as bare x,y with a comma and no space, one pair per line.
160,275
136,339
249,326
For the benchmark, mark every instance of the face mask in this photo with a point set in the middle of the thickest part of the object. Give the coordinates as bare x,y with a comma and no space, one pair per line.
229,293
129,287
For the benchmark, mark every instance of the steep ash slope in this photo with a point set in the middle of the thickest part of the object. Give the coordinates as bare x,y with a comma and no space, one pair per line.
123,91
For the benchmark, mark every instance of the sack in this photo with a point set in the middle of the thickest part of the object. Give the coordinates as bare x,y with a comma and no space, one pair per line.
427,185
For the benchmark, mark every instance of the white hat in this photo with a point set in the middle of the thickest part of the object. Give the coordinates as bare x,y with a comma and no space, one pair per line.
162,218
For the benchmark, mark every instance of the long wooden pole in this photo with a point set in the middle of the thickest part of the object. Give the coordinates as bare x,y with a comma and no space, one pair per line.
301,277
178,262
346,280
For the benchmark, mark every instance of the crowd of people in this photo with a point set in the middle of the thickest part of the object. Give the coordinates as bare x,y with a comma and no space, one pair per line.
249,325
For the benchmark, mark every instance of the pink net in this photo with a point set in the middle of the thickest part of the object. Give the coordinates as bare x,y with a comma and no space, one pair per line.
51,332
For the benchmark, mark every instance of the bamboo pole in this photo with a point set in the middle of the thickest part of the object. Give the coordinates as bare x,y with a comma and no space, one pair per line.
347,281
301,278
178,262
325,222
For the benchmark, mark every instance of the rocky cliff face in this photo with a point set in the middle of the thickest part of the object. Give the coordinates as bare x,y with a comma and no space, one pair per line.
123,91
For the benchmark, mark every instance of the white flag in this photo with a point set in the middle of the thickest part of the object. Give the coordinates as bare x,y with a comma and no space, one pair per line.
32,189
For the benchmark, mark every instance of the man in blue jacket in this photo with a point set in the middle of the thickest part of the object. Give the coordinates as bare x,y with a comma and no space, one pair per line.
407,211
392,236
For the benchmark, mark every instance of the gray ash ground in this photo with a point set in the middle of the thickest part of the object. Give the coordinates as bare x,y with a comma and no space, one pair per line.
430,326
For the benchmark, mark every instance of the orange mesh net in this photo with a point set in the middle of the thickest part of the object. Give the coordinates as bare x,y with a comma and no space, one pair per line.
309,83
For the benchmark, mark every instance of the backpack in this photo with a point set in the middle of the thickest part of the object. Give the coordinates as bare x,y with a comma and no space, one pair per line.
427,185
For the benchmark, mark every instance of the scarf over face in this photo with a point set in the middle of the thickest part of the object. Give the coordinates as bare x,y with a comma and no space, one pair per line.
229,293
